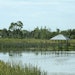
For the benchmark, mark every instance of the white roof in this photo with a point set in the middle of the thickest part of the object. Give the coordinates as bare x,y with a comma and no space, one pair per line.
60,37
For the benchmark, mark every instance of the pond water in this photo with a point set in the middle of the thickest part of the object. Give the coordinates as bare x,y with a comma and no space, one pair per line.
52,62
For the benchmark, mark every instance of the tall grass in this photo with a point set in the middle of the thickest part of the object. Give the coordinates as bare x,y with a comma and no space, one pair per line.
35,45
7,69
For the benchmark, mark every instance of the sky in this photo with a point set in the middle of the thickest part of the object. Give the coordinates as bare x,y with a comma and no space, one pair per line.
54,14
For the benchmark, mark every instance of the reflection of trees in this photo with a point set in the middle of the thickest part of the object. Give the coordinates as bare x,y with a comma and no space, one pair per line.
15,54
36,53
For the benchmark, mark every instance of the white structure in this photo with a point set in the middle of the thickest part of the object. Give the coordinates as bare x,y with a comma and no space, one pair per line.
59,37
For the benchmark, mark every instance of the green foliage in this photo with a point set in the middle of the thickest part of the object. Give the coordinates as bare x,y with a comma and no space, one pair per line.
4,33
15,31
7,69
35,45
15,26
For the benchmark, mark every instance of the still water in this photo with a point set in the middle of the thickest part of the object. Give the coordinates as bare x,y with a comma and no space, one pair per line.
51,62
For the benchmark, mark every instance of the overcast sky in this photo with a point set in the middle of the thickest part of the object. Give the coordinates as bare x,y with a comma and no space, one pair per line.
50,13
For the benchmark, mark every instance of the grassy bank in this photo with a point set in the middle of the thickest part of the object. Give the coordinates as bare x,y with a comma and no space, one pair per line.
7,69
35,45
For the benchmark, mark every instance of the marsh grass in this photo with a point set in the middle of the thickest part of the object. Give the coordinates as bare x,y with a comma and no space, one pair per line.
8,69
34,45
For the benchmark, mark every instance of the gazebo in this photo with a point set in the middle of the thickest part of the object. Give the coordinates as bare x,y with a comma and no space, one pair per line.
60,38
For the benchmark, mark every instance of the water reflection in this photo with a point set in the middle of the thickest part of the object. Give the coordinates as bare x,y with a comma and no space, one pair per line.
52,62
56,53
15,54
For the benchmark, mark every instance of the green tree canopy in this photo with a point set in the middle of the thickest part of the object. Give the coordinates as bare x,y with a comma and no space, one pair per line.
16,26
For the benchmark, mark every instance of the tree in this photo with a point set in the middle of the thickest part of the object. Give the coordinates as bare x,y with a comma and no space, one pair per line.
44,33
15,29
15,26
58,31
19,25
4,33
36,33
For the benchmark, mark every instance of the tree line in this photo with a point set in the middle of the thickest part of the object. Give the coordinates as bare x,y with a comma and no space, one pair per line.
15,31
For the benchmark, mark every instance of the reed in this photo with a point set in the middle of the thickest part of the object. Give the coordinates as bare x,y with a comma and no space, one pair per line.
7,69
34,45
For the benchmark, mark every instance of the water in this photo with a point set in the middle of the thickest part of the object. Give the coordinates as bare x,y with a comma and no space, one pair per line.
52,62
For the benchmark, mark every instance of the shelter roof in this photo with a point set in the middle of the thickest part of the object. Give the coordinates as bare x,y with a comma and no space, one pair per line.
59,37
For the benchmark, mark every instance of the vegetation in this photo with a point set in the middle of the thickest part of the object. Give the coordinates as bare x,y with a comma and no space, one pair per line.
7,69
17,39
35,45
15,31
